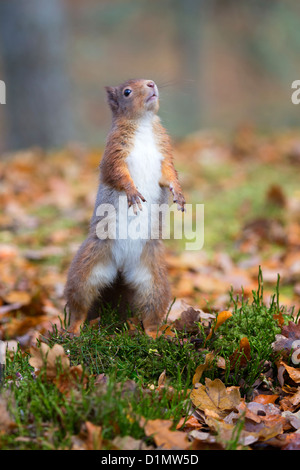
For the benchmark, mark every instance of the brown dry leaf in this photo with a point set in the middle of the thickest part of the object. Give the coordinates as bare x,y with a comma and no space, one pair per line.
225,432
262,413
163,330
276,196
164,437
221,318
209,358
216,397
292,371
50,358
189,423
163,387
279,318
258,432
205,441
295,399
180,309
133,323
94,436
262,421
20,326
22,298
292,442
285,341
242,355
71,379
6,423
162,378
129,443
187,320
292,418
89,438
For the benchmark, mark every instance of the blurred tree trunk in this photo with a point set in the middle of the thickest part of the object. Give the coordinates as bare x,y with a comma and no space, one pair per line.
32,45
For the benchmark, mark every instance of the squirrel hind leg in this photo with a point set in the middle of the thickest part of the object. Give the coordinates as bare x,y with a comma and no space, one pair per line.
90,272
152,290
116,296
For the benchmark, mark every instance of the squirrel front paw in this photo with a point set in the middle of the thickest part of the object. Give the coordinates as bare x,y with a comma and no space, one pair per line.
178,198
134,199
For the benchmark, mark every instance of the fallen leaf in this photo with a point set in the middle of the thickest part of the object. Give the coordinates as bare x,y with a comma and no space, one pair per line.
22,298
71,379
89,438
293,418
163,437
6,423
216,397
189,423
53,359
264,399
292,371
242,355
288,340
187,320
162,330
209,359
292,442
94,436
129,443
221,318
162,378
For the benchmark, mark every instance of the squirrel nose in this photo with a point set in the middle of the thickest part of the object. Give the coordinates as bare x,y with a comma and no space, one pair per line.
151,84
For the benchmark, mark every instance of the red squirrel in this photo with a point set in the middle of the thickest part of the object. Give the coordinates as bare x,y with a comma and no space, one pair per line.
138,164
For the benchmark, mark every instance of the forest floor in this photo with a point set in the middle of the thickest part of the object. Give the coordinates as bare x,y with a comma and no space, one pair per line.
222,372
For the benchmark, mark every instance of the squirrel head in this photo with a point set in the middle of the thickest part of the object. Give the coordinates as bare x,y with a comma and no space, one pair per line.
133,99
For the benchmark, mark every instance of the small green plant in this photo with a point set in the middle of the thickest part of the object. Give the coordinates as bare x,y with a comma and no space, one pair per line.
255,321
131,363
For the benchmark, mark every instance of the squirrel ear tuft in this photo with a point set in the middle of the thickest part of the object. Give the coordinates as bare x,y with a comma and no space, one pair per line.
112,97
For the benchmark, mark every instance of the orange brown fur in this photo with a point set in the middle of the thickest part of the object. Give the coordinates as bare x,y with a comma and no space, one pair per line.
153,299
169,177
114,170
92,270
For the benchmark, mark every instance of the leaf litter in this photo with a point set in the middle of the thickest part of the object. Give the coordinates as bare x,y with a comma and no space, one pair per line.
43,219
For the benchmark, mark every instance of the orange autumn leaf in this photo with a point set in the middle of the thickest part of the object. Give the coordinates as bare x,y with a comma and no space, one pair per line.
71,379
265,399
163,437
221,318
188,424
293,372
242,354
163,330
20,326
20,297
94,436
89,438
209,358
279,318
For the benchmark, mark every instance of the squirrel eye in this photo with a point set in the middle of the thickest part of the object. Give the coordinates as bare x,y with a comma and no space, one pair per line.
127,92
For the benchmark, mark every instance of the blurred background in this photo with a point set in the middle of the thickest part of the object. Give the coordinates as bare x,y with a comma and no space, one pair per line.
224,69
218,63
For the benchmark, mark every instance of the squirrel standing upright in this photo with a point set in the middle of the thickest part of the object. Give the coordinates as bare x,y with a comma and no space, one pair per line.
137,163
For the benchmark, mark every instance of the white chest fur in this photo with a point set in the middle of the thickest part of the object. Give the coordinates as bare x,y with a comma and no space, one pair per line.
144,162
144,165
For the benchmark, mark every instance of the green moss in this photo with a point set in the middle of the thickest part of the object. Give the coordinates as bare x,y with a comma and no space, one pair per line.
131,361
